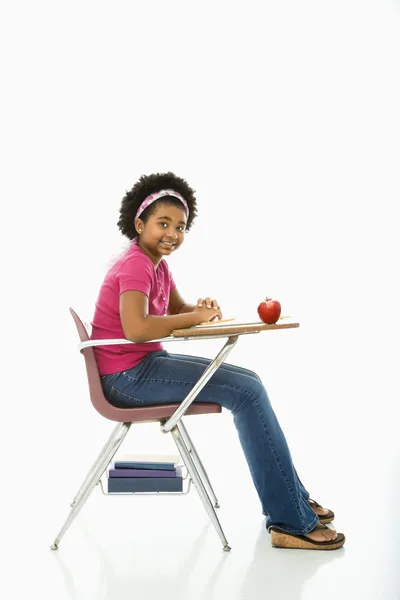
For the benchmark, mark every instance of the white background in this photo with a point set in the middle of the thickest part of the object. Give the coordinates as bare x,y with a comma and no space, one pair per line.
284,117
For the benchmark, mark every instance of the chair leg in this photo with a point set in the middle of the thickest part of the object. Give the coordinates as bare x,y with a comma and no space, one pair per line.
198,482
94,476
199,465
104,450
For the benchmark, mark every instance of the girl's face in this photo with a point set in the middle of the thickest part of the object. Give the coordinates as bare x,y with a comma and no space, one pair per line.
164,231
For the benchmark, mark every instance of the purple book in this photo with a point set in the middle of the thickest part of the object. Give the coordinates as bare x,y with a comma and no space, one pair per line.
140,473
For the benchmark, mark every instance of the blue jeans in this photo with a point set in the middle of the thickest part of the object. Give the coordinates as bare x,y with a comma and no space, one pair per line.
162,378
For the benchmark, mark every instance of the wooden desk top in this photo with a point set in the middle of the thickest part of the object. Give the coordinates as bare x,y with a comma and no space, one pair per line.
233,328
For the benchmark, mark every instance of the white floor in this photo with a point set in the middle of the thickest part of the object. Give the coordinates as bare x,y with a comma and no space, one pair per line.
123,548
151,547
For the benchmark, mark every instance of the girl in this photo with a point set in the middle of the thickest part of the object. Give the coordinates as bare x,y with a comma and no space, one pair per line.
139,300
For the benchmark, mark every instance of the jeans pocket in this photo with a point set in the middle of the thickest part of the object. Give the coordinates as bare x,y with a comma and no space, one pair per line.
107,381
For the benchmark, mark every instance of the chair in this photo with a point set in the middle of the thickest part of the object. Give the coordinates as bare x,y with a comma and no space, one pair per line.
168,415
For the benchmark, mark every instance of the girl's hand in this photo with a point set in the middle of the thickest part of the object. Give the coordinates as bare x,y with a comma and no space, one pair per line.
207,302
205,314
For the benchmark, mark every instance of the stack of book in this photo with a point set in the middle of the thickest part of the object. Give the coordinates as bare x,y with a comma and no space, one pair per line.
144,476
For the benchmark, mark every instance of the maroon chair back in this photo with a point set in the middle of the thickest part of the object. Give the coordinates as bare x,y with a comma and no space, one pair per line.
127,415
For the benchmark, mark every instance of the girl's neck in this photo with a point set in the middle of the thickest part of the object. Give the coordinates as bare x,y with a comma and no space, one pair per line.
154,260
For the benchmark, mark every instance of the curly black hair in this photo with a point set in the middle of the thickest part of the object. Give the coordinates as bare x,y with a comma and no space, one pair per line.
149,184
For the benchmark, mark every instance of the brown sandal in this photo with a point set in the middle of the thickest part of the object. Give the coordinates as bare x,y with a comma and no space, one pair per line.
281,539
322,518
328,518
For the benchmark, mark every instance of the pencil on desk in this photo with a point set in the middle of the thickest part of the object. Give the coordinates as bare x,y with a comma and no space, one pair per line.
217,321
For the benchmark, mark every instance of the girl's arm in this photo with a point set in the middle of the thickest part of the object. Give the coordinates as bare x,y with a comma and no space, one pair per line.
177,305
186,308
138,326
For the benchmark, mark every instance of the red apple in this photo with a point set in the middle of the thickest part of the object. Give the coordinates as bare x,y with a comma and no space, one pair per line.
269,311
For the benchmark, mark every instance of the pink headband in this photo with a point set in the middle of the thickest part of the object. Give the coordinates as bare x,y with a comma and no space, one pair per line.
153,197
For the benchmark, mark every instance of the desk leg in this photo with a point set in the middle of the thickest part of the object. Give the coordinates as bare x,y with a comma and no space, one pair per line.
191,467
212,367
184,444
199,465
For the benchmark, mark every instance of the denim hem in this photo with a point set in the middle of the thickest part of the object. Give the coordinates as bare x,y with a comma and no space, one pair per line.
266,513
306,529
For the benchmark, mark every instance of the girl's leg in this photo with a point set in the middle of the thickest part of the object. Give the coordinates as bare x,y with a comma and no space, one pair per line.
248,373
224,366
163,378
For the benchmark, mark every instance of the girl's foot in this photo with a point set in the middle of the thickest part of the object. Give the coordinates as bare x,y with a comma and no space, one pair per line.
321,533
325,515
317,508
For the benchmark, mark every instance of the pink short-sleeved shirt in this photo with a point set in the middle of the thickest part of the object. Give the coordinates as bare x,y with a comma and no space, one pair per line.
134,270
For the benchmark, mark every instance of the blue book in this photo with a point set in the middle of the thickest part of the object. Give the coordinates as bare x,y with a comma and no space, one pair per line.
129,464
146,484
141,473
